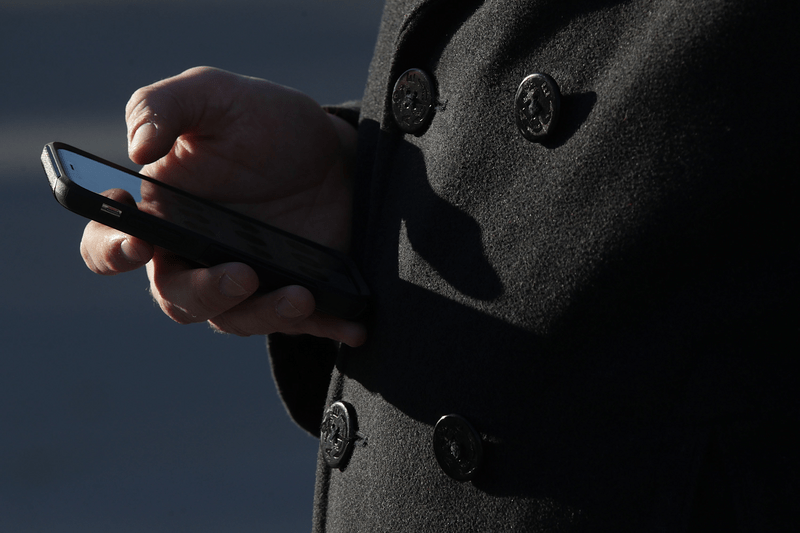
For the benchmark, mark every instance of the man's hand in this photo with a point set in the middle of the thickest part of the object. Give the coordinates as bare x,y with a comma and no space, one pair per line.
259,148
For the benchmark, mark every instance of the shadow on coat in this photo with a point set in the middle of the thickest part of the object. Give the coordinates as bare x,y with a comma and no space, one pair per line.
440,233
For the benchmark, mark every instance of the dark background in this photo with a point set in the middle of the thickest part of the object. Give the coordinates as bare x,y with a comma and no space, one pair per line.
113,418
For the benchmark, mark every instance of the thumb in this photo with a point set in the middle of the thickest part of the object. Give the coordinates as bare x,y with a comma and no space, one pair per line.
142,147
158,114
154,123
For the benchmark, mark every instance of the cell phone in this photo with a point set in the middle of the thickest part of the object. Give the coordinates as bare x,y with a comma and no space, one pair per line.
202,231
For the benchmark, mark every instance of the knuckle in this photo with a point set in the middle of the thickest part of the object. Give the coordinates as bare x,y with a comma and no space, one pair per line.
138,104
88,245
88,259
101,257
221,324
197,304
270,321
177,313
206,304
201,71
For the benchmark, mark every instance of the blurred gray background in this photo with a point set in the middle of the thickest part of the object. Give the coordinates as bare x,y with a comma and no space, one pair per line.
113,418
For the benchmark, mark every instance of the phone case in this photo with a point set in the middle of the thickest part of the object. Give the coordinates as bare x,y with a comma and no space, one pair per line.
279,258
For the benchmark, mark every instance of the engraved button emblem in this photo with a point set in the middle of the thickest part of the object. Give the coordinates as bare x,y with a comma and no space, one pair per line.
336,435
412,100
458,447
537,104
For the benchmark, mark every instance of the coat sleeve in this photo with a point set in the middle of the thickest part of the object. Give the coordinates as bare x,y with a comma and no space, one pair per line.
302,364
301,367
349,111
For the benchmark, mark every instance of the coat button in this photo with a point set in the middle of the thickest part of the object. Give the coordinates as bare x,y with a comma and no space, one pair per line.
537,104
336,434
412,100
458,447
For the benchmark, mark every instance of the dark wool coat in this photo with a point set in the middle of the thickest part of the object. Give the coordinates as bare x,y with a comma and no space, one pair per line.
614,310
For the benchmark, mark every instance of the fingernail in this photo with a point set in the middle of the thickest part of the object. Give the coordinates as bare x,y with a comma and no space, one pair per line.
130,252
144,133
230,288
285,309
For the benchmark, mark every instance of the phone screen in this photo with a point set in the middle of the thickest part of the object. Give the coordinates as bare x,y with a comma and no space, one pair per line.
233,231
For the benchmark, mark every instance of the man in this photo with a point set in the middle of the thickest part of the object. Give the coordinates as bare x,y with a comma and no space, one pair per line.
578,222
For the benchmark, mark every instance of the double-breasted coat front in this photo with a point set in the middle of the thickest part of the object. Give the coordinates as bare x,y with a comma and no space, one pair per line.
604,304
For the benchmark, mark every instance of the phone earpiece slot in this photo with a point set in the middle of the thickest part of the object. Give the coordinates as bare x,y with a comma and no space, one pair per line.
111,210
